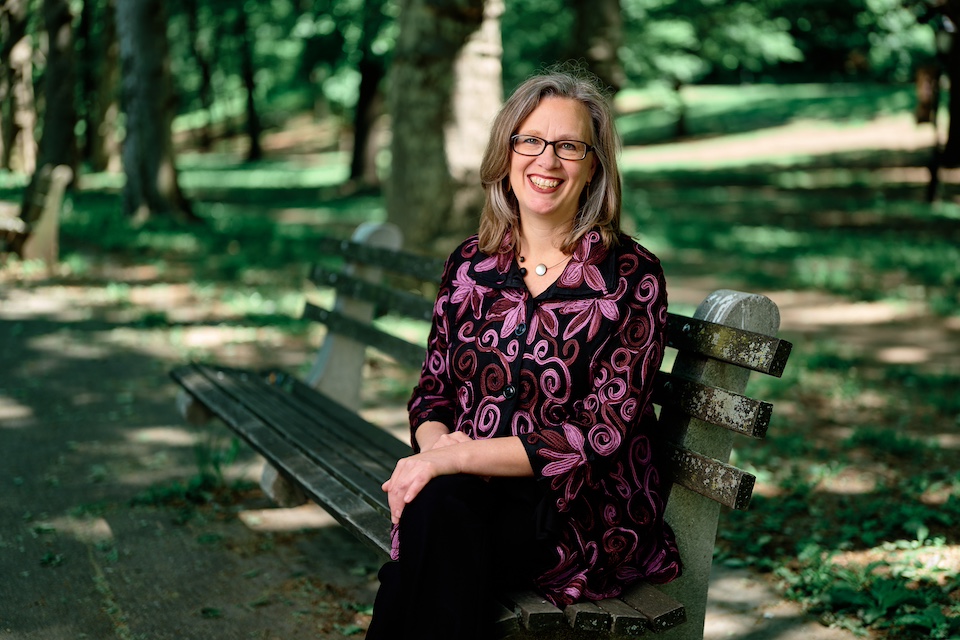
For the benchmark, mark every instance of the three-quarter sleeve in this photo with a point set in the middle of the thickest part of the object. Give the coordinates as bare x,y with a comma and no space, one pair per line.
434,396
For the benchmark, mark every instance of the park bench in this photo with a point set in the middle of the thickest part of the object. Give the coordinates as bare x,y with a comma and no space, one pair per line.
35,233
309,431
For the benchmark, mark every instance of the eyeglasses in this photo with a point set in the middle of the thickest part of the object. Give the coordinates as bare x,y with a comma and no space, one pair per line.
565,149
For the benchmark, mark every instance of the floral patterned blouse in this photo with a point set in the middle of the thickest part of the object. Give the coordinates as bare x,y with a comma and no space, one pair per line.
570,372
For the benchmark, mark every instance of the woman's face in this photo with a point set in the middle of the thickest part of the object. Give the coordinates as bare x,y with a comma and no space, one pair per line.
547,187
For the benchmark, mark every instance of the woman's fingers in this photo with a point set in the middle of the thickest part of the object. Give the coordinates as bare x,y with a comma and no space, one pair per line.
408,478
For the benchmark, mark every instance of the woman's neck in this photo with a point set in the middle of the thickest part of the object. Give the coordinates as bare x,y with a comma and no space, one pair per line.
541,242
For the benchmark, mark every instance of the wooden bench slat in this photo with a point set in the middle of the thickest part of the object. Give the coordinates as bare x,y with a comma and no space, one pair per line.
399,302
624,619
351,512
315,439
370,433
406,353
340,425
733,411
586,616
421,267
721,482
536,613
661,611
747,349
504,622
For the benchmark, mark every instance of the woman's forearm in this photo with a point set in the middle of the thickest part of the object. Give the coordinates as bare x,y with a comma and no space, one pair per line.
501,457
428,433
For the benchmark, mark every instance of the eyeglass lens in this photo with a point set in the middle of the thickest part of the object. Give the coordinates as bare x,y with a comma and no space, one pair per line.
534,146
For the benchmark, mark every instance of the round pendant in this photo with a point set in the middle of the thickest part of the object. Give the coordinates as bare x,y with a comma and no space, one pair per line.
541,269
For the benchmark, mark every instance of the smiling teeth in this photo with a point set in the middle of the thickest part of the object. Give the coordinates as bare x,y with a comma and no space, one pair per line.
544,184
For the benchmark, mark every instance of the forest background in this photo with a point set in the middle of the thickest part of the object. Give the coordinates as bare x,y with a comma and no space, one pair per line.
211,141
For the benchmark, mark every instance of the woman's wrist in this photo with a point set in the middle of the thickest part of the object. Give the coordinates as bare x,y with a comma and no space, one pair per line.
427,434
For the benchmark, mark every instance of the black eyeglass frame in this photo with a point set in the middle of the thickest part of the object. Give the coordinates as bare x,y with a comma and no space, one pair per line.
549,143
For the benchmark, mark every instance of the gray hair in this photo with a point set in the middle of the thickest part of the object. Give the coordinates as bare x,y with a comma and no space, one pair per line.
599,205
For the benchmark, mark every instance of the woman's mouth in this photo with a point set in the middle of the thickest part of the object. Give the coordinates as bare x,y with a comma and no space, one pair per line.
545,184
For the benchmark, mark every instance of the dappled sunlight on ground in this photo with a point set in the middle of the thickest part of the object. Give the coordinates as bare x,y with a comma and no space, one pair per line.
802,138
308,516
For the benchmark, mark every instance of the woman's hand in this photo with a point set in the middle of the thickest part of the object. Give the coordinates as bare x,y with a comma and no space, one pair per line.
447,439
444,453
414,472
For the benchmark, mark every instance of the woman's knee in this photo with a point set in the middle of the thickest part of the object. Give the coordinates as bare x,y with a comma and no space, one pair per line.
445,504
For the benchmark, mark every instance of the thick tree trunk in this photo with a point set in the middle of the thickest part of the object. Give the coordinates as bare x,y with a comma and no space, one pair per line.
478,94
58,143
19,110
148,162
597,37
435,142
14,53
100,81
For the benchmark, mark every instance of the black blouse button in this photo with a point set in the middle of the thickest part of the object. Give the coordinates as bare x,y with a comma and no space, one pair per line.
509,391
521,329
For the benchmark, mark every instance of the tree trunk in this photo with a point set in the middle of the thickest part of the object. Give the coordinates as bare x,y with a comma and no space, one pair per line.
248,73
478,94
597,37
369,106
204,140
20,108
951,152
151,187
13,32
58,143
435,142
100,82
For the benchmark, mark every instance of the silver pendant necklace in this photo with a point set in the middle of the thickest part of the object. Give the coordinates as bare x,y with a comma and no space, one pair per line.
541,269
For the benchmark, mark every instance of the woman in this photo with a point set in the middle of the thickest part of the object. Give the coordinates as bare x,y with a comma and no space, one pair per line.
532,425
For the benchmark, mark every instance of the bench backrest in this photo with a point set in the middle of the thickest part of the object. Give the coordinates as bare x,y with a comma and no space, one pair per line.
702,406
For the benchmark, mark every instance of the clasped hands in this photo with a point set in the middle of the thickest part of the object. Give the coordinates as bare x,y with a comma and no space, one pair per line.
437,457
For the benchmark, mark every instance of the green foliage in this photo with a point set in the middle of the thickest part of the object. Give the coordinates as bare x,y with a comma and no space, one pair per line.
683,42
874,596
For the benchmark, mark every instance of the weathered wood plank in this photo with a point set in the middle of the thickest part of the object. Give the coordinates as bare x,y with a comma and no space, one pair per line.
398,302
721,482
536,613
504,622
660,610
316,439
719,407
409,264
354,514
624,619
406,353
748,349
586,616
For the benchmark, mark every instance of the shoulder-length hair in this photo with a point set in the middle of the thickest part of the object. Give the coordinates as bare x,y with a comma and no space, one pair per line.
600,202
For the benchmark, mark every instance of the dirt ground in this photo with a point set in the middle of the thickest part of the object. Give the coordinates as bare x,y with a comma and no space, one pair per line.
96,542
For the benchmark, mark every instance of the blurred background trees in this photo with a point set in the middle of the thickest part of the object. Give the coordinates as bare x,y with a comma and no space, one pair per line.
81,79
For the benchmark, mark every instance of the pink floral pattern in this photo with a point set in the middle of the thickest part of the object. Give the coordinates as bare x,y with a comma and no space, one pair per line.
570,372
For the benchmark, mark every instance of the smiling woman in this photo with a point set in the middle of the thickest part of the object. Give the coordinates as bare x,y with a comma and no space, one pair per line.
532,425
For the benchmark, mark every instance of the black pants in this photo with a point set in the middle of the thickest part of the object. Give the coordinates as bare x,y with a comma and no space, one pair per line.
461,540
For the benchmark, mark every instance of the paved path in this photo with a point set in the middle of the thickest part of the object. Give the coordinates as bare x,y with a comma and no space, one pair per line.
87,422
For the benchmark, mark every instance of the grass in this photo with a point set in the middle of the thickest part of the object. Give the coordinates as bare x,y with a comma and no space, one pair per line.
857,512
